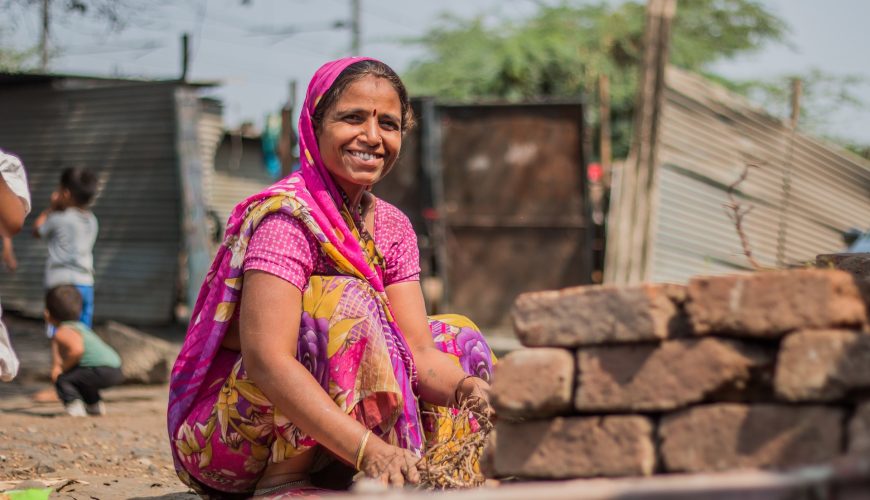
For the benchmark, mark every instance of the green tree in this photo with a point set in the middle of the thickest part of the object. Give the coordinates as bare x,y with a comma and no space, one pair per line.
561,51
821,93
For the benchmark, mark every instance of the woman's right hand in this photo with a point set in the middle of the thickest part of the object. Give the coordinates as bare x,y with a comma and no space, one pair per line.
390,464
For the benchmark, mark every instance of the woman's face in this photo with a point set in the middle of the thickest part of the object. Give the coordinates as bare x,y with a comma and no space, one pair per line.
361,135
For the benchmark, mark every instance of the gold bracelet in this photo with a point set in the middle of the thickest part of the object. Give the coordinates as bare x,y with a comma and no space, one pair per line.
362,448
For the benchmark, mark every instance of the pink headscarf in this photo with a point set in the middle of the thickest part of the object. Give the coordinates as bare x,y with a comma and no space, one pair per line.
310,192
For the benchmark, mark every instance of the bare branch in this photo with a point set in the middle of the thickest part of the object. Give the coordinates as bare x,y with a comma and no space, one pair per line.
736,212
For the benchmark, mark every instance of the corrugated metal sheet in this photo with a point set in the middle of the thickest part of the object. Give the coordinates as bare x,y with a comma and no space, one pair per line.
126,132
708,135
239,171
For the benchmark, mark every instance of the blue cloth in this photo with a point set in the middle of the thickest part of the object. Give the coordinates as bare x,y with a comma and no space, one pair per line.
269,140
861,245
87,316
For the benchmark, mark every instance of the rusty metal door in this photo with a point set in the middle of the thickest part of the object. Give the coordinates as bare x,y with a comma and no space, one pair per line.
497,194
514,204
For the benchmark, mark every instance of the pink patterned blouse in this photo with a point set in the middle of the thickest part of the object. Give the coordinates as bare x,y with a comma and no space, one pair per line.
283,246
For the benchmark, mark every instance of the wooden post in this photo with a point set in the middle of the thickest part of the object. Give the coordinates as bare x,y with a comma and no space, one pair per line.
782,236
631,227
287,141
796,93
605,144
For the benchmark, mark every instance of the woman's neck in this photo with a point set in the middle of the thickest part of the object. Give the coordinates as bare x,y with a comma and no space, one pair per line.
353,192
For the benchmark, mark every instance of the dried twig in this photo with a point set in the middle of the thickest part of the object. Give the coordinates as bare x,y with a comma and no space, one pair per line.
736,212
455,462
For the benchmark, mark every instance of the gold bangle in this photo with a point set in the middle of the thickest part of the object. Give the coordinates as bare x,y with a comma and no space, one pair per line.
361,448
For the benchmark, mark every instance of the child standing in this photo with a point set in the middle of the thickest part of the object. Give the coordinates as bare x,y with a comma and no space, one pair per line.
14,206
82,363
70,231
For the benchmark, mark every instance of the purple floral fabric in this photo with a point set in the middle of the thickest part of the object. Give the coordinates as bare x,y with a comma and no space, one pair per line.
311,350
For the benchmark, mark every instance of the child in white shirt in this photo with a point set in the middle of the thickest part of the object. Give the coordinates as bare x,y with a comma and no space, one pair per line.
14,207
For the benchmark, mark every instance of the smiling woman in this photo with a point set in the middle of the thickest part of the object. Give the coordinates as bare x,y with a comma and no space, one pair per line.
310,354
361,135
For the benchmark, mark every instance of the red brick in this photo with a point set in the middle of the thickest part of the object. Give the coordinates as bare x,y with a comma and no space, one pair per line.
597,314
567,447
769,304
662,377
822,365
727,436
535,382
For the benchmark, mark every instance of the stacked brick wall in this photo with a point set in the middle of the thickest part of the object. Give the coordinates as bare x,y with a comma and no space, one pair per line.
766,370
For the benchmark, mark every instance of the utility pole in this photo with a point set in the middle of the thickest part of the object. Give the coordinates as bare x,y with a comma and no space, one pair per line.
355,27
288,140
185,55
782,236
43,36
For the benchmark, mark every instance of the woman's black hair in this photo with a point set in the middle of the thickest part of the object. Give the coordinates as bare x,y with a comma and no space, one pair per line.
355,72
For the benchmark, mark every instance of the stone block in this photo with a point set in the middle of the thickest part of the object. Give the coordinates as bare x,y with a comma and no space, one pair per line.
590,315
535,382
822,365
145,359
728,436
859,429
573,447
769,304
856,264
671,375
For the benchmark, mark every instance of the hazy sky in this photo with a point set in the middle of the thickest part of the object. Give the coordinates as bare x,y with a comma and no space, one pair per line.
231,44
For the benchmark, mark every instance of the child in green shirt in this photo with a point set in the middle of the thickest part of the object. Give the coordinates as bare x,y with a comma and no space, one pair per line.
82,363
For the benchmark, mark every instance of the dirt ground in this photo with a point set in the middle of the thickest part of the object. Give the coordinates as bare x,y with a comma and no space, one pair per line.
121,455
124,454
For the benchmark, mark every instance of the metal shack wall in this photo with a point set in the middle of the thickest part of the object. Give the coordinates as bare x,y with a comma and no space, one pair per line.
708,136
127,134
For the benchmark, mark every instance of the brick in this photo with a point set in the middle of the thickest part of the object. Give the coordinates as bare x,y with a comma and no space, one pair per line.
727,436
534,382
592,315
769,304
572,447
662,377
859,429
822,365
